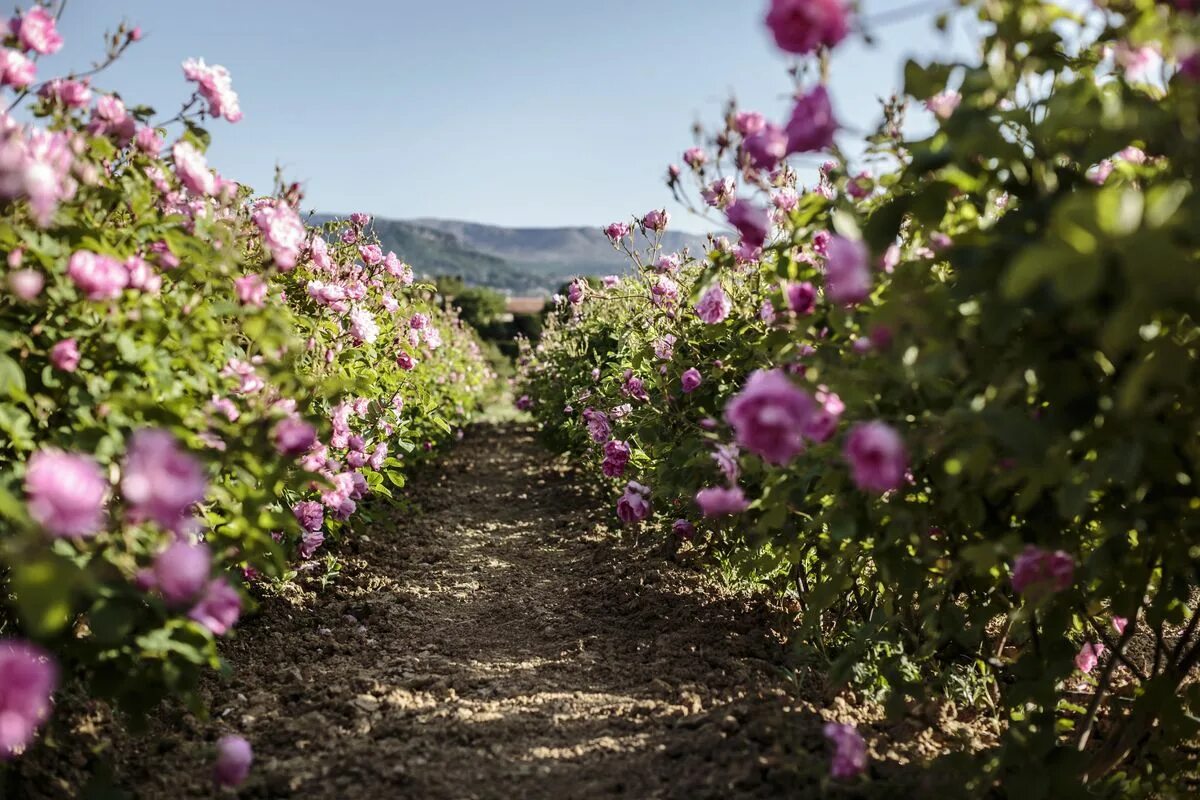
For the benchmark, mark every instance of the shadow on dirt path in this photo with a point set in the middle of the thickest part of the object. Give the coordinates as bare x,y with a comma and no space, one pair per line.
496,642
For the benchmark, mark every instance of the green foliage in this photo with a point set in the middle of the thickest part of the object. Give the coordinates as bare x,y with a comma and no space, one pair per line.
1033,340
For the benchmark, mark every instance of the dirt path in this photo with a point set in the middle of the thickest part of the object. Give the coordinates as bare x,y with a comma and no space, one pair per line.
491,644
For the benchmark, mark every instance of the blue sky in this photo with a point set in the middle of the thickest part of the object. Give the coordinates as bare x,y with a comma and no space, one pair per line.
521,112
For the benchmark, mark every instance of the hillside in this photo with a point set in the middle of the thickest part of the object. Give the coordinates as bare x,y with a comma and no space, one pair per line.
513,260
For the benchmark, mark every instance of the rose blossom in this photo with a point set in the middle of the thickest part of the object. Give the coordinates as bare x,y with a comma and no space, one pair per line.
26,284
769,416
36,31
656,220
181,571
767,147
876,455
66,493
1037,572
161,481
293,436
215,86
719,501
752,222
812,125
65,355
282,231
802,26
847,271
690,380
99,277
634,506
219,607
714,305
234,757
850,751
28,678
1089,657
192,169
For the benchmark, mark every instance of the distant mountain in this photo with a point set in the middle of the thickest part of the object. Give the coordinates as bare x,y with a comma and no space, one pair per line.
513,260
555,252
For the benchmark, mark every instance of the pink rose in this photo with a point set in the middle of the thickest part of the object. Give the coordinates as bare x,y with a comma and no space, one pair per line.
65,355
28,678
877,457
1088,657
181,571
66,493
162,481
690,380
802,26
98,277
714,305
234,758
850,751
634,505
847,271
719,501
36,31
812,125
769,415
219,607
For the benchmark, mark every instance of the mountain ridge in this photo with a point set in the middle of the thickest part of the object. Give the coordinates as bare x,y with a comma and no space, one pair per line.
515,260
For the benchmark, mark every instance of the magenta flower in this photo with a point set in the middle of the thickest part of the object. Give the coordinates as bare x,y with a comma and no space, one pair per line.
802,26
812,125
149,141
877,457
720,501
407,362
683,529
769,415
575,291
234,758
310,514
847,271
695,157
219,607
767,147
36,31
1088,657
293,436
215,86
181,572
823,422
850,751
616,458
664,348
632,386
634,505
656,220
310,542
802,297
597,424
690,380
98,277
714,305
726,456
1119,624
752,222
250,290
28,678
1037,572
162,481
524,402
66,493
65,355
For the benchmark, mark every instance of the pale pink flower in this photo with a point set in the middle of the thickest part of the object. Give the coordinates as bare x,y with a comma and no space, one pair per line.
282,231
65,355
251,290
192,169
714,305
1088,657
769,415
181,571
215,86
720,501
219,607
36,31
943,104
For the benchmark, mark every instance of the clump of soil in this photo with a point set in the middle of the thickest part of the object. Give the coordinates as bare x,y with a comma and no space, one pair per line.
496,640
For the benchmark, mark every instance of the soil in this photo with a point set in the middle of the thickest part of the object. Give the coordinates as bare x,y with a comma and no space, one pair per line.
493,638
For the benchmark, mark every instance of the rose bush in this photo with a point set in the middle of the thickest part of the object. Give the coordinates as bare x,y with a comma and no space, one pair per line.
945,396
195,388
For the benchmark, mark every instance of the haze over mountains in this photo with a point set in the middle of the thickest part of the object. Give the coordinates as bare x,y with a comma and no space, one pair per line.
514,260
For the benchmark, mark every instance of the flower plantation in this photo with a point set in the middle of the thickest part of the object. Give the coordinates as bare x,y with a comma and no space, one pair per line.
196,390
945,398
